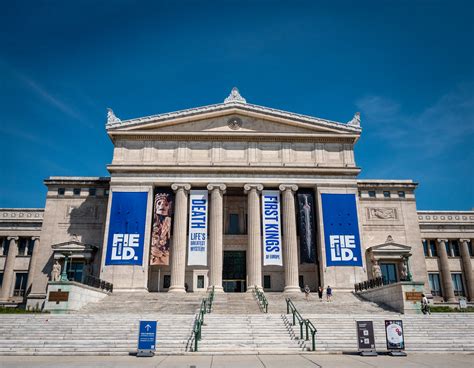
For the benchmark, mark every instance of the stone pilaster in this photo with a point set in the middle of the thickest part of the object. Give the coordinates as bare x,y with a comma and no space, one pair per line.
178,249
467,268
290,246
9,268
254,253
33,259
448,290
216,226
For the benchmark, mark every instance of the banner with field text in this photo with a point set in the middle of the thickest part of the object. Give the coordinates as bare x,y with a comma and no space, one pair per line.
197,242
341,230
271,225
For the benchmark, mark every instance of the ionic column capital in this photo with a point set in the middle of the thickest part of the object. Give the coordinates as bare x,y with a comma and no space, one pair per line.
34,238
464,240
442,240
181,186
15,238
292,187
219,186
250,187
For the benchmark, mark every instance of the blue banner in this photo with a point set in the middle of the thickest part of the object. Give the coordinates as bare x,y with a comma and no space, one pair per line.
126,228
341,230
147,335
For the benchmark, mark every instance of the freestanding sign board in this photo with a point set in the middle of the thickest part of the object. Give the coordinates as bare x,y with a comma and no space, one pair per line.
395,338
146,338
365,338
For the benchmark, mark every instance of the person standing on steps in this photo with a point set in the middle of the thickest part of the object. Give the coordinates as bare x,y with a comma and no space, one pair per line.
328,294
320,293
306,292
425,307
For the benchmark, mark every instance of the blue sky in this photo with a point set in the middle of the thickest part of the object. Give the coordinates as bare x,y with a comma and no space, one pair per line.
407,66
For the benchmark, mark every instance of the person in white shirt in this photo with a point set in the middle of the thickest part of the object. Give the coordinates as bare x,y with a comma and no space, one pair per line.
425,307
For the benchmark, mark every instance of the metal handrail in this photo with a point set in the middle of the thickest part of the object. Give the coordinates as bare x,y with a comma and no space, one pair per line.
262,300
98,283
290,307
369,284
205,307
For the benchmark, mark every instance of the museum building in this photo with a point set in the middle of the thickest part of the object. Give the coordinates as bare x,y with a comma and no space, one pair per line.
233,196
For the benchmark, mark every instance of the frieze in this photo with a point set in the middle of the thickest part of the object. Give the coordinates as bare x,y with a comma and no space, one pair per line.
21,215
446,217
382,213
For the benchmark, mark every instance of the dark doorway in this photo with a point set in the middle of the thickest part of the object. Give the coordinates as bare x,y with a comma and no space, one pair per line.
234,272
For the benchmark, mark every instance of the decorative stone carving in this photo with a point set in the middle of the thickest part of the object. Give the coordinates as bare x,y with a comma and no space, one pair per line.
382,213
355,120
111,118
235,96
249,187
291,187
404,271
177,186
389,239
376,270
234,123
56,272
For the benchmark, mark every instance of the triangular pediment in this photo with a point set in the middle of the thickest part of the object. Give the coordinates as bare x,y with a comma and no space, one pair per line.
73,246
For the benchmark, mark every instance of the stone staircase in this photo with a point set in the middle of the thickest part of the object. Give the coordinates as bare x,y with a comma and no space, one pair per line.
248,334
443,332
87,334
235,303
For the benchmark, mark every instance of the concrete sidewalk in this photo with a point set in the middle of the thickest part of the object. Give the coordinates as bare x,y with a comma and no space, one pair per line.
248,361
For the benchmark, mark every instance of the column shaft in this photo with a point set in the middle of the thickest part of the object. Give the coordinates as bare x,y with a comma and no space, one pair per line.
32,268
9,268
178,257
215,232
254,254
290,246
448,290
467,268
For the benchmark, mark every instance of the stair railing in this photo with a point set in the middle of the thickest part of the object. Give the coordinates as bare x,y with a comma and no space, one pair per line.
198,322
291,308
262,300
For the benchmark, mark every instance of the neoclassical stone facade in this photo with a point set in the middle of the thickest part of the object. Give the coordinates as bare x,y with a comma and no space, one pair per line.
236,153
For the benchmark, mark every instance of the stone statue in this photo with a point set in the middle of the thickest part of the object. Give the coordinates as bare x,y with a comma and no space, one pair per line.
56,272
111,118
376,271
355,121
404,271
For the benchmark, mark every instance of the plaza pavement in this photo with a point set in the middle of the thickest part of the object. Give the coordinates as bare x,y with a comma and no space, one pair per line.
413,360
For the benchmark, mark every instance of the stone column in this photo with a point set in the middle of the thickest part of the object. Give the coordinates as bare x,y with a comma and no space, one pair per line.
33,258
290,246
9,268
254,253
448,290
216,226
467,267
178,248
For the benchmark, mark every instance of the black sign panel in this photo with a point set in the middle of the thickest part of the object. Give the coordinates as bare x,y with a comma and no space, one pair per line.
365,335
394,335
306,226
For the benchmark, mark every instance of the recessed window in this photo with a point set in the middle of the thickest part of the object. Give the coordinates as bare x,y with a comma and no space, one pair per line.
401,194
433,250
76,191
166,281
92,192
106,192
200,282
233,228
22,244
455,248
386,194
372,193
20,283
31,244
1,279
425,248
435,284
458,287
267,282
469,248
61,191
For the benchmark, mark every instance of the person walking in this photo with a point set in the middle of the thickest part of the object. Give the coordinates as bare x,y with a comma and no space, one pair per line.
425,306
320,293
328,294
306,292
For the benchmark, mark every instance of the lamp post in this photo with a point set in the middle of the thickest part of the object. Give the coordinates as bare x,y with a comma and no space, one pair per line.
64,273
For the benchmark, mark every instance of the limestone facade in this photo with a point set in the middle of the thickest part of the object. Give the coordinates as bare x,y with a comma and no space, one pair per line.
234,150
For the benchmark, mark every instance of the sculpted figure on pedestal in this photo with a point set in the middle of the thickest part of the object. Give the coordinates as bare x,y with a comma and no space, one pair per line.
56,272
376,271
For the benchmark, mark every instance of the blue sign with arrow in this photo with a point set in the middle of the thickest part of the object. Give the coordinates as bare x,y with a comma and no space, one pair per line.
147,336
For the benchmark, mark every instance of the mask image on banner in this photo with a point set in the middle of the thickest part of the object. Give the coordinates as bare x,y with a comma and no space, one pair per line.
306,226
197,241
271,225
161,230
127,228
341,230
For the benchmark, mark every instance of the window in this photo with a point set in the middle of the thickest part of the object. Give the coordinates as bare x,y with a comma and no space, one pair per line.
401,194
92,192
61,191
22,244
1,279
433,250
301,281
425,248
200,282
75,271
76,191
233,227
389,273
434,284
469,248
372,193
457,284
386,194
455,248
448,248
20,284
267,282
166,281
31,244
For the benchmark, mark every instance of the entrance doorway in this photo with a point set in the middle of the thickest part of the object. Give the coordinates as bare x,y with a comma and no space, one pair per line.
389,273
234,272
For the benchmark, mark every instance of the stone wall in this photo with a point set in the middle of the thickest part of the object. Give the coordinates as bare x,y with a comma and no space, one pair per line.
79,296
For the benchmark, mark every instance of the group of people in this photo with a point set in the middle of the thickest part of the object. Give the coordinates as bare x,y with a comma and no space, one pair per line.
307,291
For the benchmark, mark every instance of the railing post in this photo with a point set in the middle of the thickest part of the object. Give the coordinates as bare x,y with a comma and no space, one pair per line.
307,327
294,319
301,329
287,307
314,342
